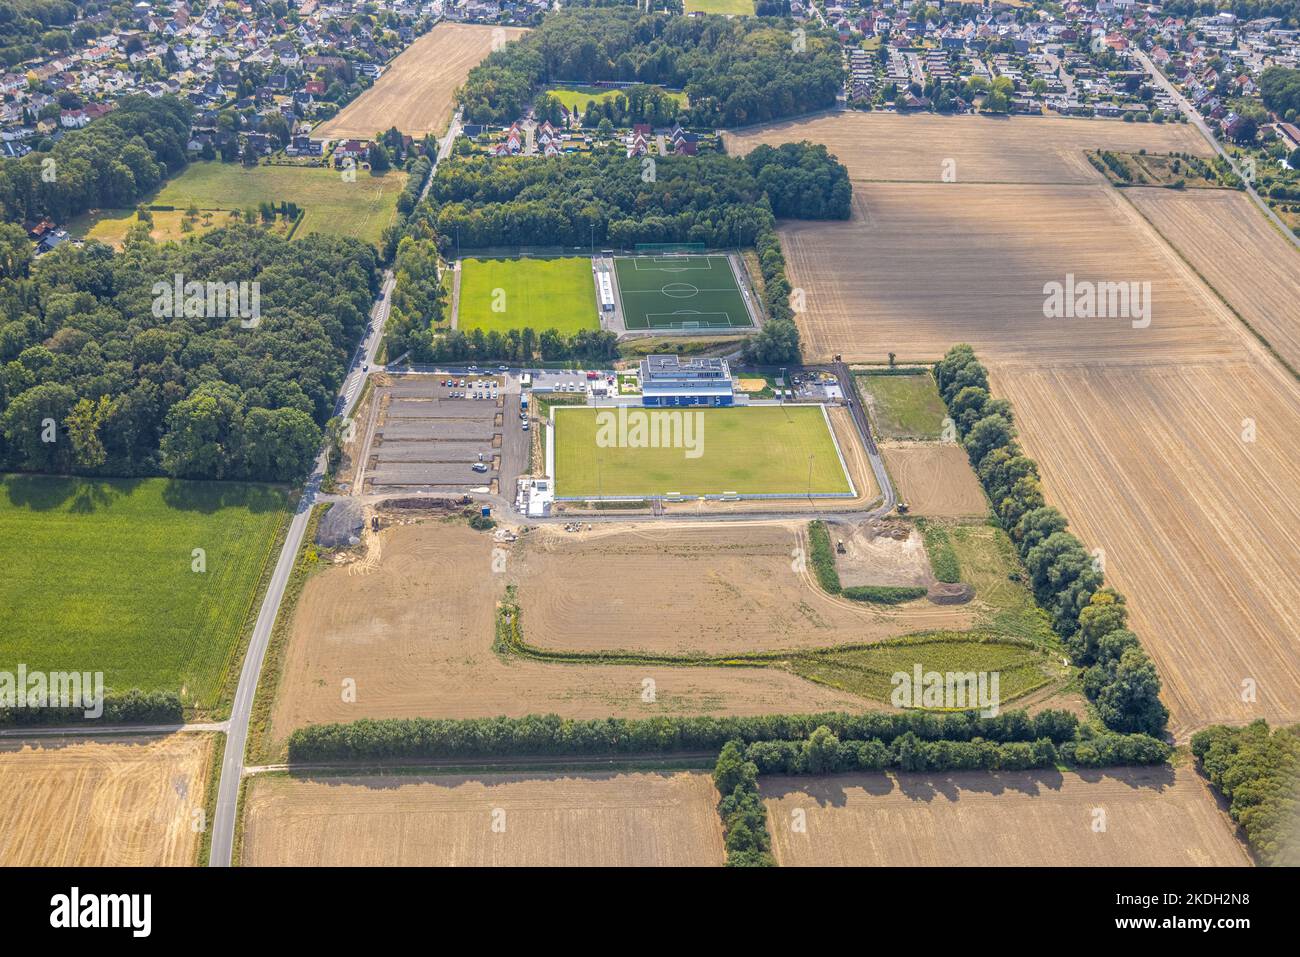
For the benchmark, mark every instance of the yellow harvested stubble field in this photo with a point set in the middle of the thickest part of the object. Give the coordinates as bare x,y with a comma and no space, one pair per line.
1134,817
102,802
1170,446
417,92
664,819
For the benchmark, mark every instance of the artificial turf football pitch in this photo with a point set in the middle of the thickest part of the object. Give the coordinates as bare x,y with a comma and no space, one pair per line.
680,292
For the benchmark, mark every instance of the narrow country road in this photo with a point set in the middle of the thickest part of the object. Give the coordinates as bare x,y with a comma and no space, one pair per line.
241,709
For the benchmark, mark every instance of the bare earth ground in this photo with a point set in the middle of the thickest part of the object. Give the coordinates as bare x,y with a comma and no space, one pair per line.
1203,224
417,92
665,819
415,632
102,803
703,589
1138,430
889,146
935,479
1152,817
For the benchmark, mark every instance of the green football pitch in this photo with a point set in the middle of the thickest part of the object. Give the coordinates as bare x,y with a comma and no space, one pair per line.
541,294
775,450
680,292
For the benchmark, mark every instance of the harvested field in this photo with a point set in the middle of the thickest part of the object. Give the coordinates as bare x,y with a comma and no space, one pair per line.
935,479
987,253
1153,817
543,820
1199,528
1022,149
125,802
415,632
1139,431
1209,227
698,589
417,91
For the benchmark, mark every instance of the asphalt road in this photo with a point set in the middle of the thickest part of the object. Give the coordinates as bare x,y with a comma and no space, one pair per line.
1194,117
232,762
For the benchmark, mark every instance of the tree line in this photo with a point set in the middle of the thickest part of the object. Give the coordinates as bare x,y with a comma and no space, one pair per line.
110,164
100,376
734,71
1066,578
552,735
1258,771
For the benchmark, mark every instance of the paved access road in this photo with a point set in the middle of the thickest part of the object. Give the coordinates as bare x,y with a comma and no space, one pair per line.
1194,117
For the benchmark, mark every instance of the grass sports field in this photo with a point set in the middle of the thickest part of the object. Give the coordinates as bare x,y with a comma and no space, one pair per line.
680,292
756,450
332,205
99,577
537,293
576,98
739,8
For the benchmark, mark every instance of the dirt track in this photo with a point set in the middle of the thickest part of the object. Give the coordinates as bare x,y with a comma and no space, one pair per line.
696,589
1152,817
416,633
102,803
417,92
935,479
542,820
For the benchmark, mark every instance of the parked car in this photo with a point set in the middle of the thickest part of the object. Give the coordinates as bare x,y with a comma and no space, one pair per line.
479,467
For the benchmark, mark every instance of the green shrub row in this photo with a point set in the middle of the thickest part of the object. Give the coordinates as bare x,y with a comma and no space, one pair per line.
823,557
131,707
884,594
1066,578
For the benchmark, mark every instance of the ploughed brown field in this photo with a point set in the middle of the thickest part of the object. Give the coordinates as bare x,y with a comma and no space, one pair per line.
1169,445
414,629
699,589
1120,817
101,802
417,92
935,479
665,819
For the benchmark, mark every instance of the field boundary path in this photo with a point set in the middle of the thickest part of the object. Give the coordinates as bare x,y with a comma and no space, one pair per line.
78,730
1194,115
232,762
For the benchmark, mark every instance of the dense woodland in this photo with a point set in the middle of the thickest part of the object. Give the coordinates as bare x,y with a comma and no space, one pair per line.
734,71
110,164
1119,679
31,27
133,393
1280,90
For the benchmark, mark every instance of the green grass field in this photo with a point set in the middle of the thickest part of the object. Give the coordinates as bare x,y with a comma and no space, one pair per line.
740,8
98,577
576,98
904,406
332,206
680,292
537,293
756,450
